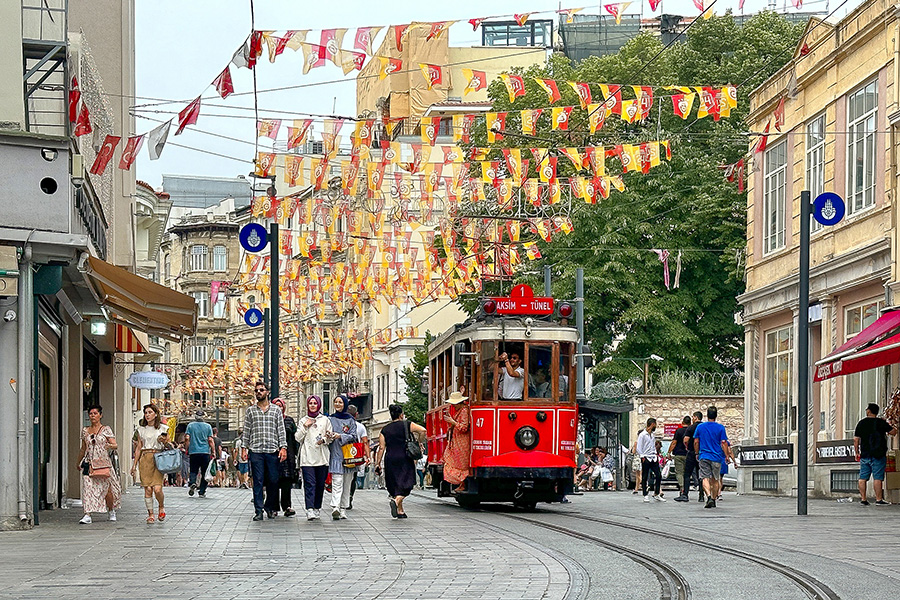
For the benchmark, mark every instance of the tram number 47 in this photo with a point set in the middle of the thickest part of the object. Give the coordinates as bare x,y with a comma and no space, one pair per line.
479,422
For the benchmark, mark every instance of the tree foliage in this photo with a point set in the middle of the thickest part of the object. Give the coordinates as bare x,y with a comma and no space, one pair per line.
682,205
416,404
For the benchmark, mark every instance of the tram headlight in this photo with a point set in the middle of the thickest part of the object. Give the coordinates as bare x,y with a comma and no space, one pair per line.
527,438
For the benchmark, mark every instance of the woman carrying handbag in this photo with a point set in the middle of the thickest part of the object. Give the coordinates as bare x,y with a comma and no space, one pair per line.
101,491
152,438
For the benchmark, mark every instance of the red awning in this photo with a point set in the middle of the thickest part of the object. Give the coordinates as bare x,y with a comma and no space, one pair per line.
874,346
127,342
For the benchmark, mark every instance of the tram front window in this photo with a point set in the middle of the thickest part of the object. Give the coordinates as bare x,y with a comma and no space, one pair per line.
540,369
565,370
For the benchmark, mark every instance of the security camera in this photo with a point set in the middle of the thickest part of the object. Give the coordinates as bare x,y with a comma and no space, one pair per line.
9,315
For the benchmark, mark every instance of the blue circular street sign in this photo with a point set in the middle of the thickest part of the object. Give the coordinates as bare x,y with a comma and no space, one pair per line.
828,208
253,317
253,237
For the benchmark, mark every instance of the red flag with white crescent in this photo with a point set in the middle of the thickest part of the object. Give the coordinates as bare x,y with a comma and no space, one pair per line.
223,83
74,97
83,123
105,154
188,115
132,147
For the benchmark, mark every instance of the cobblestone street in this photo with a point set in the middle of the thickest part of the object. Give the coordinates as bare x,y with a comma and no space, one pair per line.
211,549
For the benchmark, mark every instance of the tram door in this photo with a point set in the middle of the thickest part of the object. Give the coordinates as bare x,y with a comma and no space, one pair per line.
602,429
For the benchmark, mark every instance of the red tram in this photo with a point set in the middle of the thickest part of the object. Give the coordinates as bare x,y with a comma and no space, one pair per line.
522,450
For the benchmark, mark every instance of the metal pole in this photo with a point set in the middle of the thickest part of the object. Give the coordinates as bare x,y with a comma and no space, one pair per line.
803,358
579,324
266,372
275,272
547,291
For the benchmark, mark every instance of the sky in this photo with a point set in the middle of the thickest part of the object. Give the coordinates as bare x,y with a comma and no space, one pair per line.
181,46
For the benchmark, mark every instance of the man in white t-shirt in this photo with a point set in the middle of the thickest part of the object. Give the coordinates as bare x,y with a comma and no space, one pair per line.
363,437
512,376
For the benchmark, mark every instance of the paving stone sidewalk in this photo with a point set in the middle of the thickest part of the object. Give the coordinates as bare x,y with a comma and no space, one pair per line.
209,548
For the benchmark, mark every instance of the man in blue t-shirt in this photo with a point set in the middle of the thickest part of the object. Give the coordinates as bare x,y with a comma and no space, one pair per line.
712,448
200,446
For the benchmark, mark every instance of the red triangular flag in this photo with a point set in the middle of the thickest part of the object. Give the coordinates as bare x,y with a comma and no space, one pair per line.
188,115
763,139
74,97
223,83
83,123
132,147
105,154
779,114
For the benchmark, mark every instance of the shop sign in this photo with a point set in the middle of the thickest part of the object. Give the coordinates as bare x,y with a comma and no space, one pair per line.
148,380
835,451
773,454
669,429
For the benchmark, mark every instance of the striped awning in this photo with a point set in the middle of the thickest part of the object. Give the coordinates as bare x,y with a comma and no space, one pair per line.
127,342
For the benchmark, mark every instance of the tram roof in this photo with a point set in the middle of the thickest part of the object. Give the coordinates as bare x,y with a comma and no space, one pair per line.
511,329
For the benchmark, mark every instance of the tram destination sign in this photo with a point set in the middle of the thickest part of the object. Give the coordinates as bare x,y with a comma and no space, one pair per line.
522,301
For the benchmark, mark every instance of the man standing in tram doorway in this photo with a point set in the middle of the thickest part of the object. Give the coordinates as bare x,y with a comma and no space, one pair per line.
870,444
512,376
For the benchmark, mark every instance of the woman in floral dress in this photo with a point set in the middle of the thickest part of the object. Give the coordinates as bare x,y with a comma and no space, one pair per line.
456,457
99,493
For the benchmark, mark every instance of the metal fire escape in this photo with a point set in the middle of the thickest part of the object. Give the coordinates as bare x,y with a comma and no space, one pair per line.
44,51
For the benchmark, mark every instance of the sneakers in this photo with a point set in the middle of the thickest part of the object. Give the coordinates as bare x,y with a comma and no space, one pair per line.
710,503
201,495
343,514
882,503
864,502
258,516
85,520
336,513
646,498
311,515
112,515
318,512
290,512
681,498
659,498
192,489
700,498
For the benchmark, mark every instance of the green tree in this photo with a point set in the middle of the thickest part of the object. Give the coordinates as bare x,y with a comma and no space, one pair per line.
684,204
414,377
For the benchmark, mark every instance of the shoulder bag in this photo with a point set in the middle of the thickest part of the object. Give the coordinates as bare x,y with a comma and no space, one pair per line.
168,461
413,449
100,466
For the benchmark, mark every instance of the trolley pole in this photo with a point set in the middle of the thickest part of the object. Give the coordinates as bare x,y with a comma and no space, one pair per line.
803,358
579,324
275,305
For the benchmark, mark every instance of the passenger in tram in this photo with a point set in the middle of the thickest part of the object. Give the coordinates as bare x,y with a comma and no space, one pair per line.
512,376
456,457
539,385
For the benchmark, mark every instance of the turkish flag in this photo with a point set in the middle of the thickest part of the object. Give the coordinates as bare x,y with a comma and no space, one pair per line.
223,83
105,154
188,115
83,123
129,154
74,97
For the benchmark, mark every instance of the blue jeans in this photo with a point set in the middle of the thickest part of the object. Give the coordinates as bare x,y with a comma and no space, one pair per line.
873,467
199,463
266,471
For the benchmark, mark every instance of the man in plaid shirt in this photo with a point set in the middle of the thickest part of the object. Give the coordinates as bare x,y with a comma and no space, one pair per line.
265,440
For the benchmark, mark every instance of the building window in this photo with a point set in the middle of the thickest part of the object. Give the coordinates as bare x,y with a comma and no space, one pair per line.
326,397
861,115
167,266
202,300
199,254
866,386
773,198
779,382
815,161
509,33
219,306
220,258
199,350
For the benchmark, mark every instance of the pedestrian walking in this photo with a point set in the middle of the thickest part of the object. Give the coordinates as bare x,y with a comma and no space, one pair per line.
637,465
288,467
265,445
711,446
692,462
343,427
456,457
201,447
241,464
679,451
219,478
399,468
152,437
363,435
646,449
312,435
870,447
101,490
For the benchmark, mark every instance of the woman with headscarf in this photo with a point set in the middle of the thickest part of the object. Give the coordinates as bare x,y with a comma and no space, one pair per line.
399,469
288,467
313,436
456,457
343,427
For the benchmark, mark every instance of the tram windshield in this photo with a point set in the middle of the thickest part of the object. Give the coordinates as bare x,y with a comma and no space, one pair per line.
537,371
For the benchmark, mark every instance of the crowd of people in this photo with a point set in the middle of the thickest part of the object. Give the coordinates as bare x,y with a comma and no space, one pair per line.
273,454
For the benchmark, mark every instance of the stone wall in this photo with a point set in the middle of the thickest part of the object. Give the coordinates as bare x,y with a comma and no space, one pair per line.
671,409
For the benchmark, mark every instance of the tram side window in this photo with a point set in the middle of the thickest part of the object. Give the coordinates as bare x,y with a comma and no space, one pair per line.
540,369
488,359
565,370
